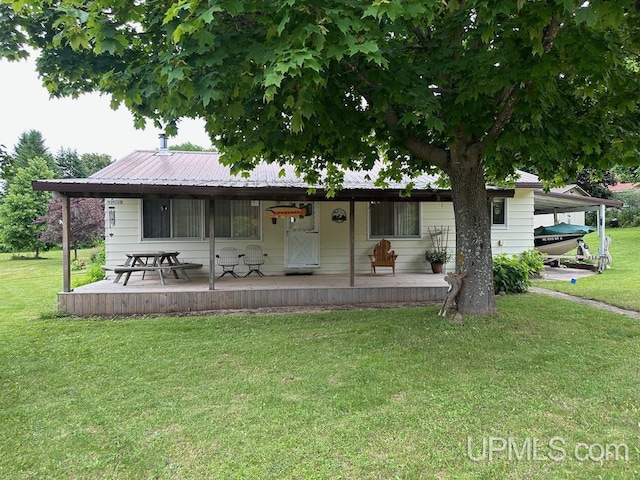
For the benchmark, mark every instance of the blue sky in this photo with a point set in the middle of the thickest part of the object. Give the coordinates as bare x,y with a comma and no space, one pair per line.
86,124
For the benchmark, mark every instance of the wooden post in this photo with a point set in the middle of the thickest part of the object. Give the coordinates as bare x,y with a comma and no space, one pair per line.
352,243
66,244
212,244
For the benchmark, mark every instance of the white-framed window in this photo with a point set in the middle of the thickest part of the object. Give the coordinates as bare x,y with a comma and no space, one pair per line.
499,212
188,219
171,218
236,219
394,220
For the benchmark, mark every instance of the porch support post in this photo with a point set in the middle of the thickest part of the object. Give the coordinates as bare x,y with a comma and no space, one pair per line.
66,244
601,233
352,243
212,244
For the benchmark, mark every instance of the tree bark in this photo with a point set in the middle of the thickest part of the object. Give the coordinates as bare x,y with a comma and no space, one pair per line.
473,231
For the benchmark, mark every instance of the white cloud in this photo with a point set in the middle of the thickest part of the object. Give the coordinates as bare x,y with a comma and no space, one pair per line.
87,124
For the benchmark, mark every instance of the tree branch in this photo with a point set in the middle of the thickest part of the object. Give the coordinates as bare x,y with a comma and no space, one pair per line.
510,96
423,151
550,34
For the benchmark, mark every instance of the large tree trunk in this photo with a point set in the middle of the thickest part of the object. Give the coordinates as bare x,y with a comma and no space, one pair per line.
473,232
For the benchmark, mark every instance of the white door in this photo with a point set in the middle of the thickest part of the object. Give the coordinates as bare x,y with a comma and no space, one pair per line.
302,243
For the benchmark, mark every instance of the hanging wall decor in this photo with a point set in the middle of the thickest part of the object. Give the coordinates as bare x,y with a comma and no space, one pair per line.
338,215
285,211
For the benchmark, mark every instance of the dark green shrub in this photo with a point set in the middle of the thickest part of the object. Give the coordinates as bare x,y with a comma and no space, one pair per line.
510,275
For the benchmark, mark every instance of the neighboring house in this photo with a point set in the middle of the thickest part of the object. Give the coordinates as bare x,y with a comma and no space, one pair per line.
162,200
622,186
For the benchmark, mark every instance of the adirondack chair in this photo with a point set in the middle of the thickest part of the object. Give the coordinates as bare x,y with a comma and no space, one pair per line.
383,256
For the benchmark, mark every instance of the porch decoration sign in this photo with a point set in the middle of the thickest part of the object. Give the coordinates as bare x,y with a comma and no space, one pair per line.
338,215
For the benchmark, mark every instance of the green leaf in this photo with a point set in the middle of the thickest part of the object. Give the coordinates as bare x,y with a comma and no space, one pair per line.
297,123
273,79
586,14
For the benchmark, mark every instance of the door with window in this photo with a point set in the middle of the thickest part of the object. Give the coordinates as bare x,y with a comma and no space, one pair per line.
302,242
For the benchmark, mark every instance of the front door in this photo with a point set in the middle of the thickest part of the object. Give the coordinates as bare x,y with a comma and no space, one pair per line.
302,243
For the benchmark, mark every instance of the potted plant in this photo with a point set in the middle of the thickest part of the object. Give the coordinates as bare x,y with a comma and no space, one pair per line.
437,258
437,255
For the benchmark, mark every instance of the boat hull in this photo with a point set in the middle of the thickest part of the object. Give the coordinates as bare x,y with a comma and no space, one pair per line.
556,244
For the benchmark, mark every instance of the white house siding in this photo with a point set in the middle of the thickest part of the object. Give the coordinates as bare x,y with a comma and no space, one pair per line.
126,237
518,235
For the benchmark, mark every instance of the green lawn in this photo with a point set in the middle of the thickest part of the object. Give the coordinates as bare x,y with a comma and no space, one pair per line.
371,394
619,285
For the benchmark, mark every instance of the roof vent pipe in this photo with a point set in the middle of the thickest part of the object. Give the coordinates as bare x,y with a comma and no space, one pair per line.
164,149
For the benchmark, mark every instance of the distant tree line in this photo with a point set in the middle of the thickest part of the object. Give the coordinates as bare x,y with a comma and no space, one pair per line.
30,221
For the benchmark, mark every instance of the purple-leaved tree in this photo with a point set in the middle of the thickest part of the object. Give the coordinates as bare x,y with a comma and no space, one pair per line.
87,222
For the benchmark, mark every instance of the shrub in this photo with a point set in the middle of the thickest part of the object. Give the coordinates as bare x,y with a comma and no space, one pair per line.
534,261
99,256
94,273
510,275
77,265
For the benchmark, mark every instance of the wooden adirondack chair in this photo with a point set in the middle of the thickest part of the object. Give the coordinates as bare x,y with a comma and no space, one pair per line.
383,256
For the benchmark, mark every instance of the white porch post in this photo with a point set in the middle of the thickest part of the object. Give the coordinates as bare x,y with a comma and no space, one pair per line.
66,244
352,242
212,244
601,233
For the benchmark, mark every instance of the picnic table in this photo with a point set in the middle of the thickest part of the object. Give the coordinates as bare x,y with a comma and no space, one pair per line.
160,262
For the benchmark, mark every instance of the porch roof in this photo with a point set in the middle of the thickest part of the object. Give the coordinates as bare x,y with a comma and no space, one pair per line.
555,202
201,175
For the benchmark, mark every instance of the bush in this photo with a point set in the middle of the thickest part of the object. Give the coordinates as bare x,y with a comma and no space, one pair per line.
534,261
94,272
510,275
629,214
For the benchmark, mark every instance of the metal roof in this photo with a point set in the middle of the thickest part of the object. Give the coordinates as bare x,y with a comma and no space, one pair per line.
201,174
554,202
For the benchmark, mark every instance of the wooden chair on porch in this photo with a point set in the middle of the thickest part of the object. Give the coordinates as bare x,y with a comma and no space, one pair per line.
383,256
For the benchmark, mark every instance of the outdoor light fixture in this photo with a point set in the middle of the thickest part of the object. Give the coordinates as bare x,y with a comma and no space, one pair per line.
112,217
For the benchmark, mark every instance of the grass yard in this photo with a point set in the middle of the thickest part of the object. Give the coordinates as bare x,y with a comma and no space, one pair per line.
620,285
370,394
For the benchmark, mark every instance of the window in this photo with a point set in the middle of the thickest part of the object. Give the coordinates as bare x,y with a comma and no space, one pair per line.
188,219
236,219
394,219
177,218
499,212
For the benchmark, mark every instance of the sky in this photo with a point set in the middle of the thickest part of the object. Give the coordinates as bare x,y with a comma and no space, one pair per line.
86,124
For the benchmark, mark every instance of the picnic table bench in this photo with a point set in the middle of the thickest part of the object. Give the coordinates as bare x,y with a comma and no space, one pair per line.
161,262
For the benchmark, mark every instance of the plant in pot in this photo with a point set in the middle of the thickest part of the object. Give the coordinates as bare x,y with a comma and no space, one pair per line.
437,258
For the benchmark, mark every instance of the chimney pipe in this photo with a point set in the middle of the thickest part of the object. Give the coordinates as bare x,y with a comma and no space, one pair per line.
164,149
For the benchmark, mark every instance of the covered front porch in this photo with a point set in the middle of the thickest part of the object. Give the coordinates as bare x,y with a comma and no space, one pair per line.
148,296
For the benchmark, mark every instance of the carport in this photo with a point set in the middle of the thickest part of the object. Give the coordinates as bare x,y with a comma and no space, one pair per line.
554,203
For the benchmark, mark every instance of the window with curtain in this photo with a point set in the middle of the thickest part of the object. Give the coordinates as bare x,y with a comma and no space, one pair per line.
171,218
499,212
394,219
187,219
238,219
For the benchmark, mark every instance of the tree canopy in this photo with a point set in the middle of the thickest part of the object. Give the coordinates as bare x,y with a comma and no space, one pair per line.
30,145
71,165
20,208
474,89
86,225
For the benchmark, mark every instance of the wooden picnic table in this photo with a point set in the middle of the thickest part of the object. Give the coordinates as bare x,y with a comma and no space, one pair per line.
160,262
